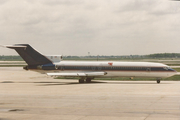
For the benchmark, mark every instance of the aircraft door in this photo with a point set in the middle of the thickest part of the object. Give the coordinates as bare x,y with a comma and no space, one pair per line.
93,68
62,67
99,68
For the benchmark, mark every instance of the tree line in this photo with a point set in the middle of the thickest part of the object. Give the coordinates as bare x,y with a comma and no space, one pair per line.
153,56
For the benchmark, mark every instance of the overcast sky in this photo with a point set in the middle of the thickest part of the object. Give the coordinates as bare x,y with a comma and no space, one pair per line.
101,27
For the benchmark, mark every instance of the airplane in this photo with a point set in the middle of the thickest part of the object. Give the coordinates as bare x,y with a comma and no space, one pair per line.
85,71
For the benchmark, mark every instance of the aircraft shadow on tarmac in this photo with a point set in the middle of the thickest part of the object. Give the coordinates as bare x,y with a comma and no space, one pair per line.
66,83
93,82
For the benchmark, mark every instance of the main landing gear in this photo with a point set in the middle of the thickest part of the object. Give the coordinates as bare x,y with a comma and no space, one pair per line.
88,80
81,80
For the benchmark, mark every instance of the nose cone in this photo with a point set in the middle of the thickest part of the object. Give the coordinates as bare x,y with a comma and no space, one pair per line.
174,72
171,72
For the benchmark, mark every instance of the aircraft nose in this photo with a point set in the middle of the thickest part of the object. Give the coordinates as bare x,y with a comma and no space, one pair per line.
173,70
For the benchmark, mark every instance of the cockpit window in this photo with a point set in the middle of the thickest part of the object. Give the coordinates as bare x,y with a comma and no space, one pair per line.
166,68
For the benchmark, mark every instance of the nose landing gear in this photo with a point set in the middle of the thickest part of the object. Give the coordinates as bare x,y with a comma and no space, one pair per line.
158,80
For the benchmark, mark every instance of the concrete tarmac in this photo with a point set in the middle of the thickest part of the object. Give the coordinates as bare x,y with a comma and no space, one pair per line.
27,95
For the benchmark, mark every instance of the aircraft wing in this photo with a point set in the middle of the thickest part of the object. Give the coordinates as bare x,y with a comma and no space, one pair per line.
85,74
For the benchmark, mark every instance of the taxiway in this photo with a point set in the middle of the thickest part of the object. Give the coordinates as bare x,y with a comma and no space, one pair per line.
26,95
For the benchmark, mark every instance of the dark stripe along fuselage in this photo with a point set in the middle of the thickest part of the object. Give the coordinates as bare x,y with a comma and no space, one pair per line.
103,68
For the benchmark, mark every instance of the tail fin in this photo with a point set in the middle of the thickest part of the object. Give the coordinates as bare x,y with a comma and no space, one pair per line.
30,56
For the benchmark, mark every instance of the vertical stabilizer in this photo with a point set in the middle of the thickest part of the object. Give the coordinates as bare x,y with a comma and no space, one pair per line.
30,56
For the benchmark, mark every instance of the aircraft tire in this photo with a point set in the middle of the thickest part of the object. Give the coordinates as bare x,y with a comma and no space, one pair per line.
81,80
158,81
88,80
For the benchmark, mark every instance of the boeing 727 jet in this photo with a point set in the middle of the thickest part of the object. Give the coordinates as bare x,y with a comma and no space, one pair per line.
87,70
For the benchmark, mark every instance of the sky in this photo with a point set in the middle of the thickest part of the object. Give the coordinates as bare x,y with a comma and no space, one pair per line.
101,27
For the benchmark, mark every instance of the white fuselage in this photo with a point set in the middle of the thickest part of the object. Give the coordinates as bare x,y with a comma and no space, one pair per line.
114,69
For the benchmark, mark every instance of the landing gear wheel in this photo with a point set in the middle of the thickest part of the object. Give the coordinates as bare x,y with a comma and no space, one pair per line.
81,80
88,80
158,81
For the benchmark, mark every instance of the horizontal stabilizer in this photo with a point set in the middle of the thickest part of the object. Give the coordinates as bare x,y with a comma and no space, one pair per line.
2,46
15,46
78,74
